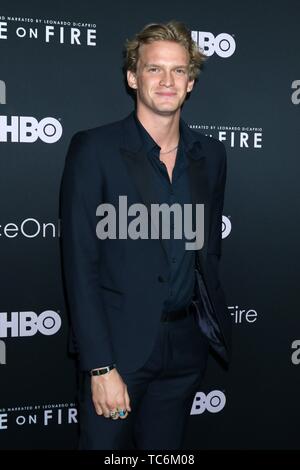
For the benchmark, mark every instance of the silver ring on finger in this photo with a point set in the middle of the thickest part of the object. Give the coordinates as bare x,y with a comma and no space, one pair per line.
113,414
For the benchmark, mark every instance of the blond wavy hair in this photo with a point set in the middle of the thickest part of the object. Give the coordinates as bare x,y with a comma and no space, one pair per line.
172,31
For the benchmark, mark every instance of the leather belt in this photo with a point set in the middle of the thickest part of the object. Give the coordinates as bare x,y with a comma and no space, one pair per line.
176,314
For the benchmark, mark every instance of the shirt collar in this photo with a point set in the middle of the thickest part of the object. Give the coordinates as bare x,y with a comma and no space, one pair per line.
149,144
187,138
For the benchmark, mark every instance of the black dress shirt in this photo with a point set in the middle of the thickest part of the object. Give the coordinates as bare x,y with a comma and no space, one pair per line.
182,262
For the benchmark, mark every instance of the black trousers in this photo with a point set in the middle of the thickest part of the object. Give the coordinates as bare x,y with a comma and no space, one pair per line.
161,394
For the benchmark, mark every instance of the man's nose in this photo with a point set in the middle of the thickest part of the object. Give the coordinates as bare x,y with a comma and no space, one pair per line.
167,79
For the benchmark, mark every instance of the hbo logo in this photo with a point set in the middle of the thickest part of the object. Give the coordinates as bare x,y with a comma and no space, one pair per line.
213,402
223,44
29,323
27,129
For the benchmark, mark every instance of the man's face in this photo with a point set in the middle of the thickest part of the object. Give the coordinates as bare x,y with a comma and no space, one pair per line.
161,79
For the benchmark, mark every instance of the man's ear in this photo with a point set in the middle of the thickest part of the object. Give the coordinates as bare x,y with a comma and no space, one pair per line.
131,79
190,85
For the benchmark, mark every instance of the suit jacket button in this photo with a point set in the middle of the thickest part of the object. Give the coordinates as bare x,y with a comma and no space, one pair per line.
160,279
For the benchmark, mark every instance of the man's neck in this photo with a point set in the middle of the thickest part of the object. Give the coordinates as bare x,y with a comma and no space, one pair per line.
164,130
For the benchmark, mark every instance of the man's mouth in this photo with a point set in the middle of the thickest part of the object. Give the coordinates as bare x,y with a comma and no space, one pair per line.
166,94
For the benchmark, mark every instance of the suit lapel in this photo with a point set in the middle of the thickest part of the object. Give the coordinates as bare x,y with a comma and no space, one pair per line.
141,173
199,192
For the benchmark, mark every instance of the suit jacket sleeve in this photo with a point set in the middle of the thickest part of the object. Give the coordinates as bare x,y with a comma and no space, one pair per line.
81,193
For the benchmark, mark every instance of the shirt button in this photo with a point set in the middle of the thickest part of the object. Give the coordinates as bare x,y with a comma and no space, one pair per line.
161,279
174,260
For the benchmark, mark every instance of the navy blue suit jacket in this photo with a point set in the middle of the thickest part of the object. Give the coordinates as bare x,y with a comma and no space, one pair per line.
116,287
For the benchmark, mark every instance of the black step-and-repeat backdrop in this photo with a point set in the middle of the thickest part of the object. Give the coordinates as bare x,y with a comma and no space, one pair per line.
61,71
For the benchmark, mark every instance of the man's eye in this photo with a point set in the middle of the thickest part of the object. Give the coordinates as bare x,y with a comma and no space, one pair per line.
180,71
153,69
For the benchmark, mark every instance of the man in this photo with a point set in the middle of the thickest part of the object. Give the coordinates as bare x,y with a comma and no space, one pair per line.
144,310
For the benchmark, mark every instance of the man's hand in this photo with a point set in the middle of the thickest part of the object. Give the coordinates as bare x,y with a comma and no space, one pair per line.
109,393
